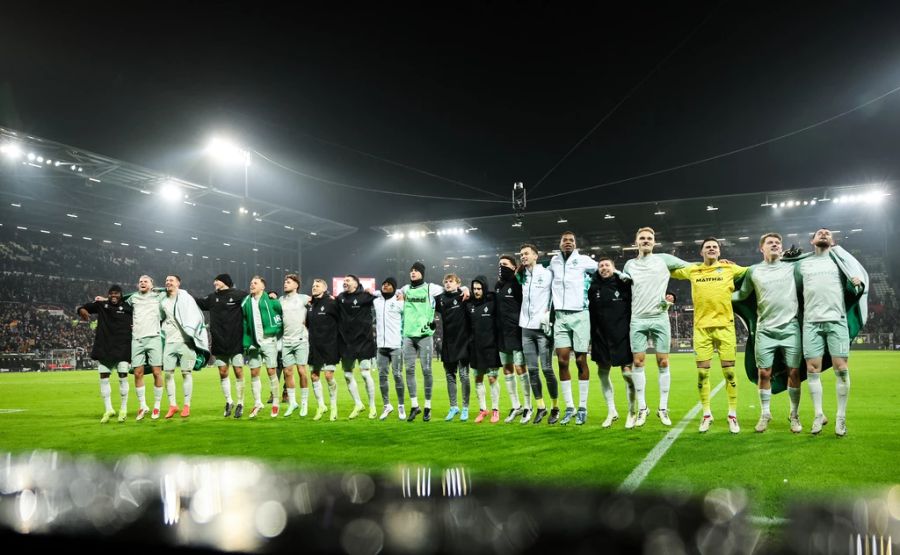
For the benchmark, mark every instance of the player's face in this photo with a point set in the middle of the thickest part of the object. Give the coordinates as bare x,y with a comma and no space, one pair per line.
527,256
823,238
318,289
645,241
567,243
144,284
506,263
290,286
710,249
386,288
606,268
256,286
219,285
415,275
349,285
172,284
771,246
451,285
115,297
477,290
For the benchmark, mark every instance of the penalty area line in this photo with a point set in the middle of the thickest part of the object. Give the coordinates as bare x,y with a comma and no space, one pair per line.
641,471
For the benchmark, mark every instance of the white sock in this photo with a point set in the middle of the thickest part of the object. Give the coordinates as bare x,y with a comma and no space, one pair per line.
226,389
141,393
157,396
815,391
629,390
665,381
317,392
640,386
105,393
583,390
526,389
123,393
479,389
370,387
332,391
354,389
187,385
511,388
842,385
304,395
239,386
427,403
273,387
794,396
566,387
292,396
170,387
256,388
765,396
413,401
495,396
608,392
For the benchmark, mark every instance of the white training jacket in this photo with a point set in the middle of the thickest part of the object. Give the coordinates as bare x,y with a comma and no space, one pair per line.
571,280
535,297
388,322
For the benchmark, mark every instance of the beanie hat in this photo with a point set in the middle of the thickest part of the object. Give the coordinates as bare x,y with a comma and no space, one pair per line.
419,267
226,279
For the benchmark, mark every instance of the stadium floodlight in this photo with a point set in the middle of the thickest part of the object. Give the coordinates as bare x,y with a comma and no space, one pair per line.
11,150
399,235
609,217
711,208
15,205
562,220
31,156
228,151
170,191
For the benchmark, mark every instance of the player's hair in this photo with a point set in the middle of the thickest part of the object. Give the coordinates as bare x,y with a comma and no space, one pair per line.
770,234
176,276
602,258
146,276
511,258
708,239
452,277
529,246
564,233
293,277
322,281
260,278
650,229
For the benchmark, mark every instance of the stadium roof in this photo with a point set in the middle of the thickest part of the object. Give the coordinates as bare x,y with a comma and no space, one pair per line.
730,218
53,185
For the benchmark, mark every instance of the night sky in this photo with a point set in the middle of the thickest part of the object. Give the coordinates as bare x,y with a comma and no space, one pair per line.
481,94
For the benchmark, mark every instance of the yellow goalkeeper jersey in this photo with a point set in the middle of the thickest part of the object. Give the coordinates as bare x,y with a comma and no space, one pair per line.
711,289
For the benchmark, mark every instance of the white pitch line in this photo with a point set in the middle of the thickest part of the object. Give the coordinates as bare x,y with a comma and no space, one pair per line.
641,471
10,411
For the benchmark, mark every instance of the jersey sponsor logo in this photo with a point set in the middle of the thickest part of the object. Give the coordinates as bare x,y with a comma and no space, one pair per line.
710,278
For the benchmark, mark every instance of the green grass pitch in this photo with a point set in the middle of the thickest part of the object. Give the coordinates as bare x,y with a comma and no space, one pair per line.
61,411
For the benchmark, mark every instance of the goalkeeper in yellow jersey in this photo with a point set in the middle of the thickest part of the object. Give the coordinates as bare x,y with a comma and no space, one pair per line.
712,283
